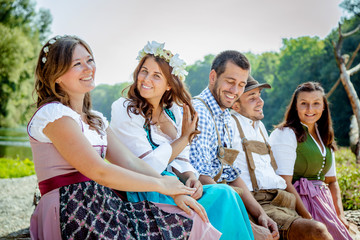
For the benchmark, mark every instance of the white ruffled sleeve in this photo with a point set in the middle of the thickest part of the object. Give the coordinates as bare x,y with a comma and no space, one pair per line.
332,170
283,144
46,114
181,162
130,131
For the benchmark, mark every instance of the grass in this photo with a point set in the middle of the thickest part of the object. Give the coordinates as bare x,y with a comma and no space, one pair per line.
15,168
348,176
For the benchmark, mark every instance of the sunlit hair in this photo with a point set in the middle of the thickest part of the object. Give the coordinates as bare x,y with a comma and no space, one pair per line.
178,93
235,57
58,54
324,124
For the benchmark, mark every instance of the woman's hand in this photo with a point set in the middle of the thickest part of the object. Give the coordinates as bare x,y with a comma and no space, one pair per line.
344,221
188,124
172,186
195,183
186,203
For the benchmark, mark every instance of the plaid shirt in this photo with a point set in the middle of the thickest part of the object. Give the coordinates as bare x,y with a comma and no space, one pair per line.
203,149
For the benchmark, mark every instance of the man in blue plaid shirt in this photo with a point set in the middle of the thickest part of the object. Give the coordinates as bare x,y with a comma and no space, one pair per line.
227,80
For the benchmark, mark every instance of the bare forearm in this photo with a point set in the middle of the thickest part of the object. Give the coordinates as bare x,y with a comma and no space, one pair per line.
184,176
336,196
204,179
124,179
300,207
252,206
178,146
120,155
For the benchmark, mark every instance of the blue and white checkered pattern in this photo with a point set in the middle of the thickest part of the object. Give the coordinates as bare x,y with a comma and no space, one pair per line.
203,148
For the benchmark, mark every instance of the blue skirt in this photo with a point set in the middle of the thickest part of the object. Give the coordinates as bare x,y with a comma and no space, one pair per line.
224,207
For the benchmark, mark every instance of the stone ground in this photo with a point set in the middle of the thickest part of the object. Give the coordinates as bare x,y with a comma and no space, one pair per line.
16,207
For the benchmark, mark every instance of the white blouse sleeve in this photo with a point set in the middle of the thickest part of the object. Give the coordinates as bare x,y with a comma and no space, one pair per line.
181,162
283,144
332,170
130,131
47,114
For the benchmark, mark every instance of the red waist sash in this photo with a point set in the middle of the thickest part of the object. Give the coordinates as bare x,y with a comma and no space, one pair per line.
60,181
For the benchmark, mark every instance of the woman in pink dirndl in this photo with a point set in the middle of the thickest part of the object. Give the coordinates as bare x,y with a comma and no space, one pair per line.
69,143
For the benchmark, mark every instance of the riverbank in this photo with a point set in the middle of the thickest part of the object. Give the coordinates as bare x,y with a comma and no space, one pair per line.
16,207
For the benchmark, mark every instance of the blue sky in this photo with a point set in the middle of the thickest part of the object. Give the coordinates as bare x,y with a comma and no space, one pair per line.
117,29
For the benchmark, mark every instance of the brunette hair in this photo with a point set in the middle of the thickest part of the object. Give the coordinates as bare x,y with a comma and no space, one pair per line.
291,118
55,60
177,94
239,59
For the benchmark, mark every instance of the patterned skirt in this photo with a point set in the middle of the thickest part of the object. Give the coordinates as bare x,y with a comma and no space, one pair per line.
91,211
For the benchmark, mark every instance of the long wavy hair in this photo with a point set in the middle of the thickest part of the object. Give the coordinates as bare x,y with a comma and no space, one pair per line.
54,62
177,94
291,118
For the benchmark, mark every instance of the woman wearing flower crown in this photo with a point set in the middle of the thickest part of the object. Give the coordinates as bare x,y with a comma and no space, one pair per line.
69,142
150,122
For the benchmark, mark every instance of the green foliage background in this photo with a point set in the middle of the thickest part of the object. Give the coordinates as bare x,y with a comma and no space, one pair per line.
22,31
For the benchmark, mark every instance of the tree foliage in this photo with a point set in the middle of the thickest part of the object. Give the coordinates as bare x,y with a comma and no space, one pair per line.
352,6
22,30
198,77
104,95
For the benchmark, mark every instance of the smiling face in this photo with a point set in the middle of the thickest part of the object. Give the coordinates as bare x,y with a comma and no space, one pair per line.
151,82
229,86
310,106
250,105
79,79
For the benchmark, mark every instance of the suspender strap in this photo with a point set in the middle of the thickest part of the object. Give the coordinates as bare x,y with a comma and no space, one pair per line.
272,158
248,154
221,150
258,147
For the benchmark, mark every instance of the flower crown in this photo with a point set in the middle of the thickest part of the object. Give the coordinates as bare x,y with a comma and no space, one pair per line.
157,49
50,42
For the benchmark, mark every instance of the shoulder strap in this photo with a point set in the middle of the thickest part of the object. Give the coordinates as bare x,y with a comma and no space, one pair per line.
216,129
248,155
221,150
273,162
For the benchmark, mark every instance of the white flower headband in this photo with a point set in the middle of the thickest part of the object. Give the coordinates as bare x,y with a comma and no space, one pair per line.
51,41
157,49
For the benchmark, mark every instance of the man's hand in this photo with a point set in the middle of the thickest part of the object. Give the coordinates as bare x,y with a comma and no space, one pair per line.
267,222
194,183
260,232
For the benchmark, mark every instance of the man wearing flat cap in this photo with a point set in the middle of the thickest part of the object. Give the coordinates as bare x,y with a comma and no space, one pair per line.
258,166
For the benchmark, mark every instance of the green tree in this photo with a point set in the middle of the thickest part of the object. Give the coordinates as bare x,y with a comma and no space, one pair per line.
298,62
352,6
104,95
198,77
22,30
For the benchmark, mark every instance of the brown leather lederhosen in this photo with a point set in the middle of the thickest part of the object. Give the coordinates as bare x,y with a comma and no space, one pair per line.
225,155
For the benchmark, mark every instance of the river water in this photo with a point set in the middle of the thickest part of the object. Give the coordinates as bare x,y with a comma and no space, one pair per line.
14,143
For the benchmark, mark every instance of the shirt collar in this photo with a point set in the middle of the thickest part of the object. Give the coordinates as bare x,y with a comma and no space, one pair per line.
208,97
316,126
247,120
